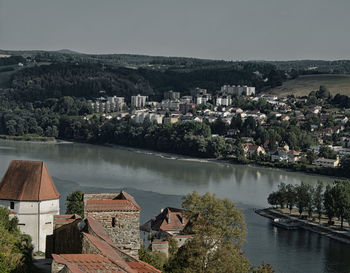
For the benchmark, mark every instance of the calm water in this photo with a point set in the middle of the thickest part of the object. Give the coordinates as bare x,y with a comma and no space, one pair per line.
157,181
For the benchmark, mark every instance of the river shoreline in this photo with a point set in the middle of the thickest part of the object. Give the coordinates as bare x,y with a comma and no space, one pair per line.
173,156
332,233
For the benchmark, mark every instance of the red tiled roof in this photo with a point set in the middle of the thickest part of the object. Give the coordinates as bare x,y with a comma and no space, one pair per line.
110,205
60,220
98,229
142,267
108,251
93,263
27,181
168,220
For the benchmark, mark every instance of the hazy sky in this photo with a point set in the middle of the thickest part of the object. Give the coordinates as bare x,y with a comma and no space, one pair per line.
216,29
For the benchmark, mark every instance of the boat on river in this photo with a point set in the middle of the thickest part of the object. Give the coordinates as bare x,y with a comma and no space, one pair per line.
286,223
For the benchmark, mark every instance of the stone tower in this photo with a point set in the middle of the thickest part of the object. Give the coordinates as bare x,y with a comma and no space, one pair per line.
120,217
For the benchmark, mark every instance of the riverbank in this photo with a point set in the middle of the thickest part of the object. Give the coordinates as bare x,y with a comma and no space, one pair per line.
333,232
29,138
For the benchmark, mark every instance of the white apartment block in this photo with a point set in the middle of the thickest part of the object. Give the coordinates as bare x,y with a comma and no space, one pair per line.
138,101
238,90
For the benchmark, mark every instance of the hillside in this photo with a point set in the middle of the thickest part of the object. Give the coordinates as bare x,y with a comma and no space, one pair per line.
303,85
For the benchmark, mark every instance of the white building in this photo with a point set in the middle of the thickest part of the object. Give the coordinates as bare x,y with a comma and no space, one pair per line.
138,101
223,100
238,90
27,190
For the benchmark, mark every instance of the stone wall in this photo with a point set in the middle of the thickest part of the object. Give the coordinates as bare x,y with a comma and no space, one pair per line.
122,227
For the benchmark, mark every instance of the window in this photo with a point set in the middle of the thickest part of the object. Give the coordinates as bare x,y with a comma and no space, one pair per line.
12,205
113,222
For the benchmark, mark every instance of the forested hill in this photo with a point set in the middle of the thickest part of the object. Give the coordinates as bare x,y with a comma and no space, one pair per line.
55,80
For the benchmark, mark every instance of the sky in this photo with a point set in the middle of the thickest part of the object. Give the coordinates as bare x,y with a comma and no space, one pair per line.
212,29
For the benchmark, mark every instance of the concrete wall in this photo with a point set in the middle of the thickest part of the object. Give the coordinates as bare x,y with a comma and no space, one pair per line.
29,221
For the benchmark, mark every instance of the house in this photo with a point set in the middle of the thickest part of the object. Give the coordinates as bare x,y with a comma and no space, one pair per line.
119,214
250,149
28,190
84,246
329,163
279,155
169,223
293,156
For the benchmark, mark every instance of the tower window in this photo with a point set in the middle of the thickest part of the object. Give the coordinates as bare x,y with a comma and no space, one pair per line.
113,222
12,205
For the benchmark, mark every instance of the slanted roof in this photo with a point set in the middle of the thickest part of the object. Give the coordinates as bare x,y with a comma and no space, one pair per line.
111,205
142,267
170,219
93,263
27,181
107,251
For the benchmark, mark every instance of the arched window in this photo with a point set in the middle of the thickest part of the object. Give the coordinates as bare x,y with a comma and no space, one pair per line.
113,221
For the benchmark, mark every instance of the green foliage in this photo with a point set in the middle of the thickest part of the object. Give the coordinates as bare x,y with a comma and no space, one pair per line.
304,196
218,228
15,248
156,259
341,194
75,203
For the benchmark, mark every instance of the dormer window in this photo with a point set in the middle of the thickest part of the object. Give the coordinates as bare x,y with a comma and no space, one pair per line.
12,205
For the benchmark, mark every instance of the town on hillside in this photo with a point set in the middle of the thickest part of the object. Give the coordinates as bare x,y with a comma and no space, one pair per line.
312,131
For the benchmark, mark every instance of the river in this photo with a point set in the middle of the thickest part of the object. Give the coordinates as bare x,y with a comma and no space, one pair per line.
157,181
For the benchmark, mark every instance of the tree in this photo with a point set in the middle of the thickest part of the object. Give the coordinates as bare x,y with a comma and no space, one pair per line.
15,248
218,230
317,199
323,92
156,259
290,197
75,203
341,194
329,202
303,196
272,199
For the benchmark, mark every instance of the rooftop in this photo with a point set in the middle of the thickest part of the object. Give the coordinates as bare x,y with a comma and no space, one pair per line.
27,181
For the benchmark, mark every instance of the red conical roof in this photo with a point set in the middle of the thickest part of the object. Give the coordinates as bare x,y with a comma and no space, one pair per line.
27,181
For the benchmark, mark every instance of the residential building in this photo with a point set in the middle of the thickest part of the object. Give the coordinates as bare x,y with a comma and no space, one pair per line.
29,192
325,162
238,90
224,100
169,223
187,107
171,95
138,101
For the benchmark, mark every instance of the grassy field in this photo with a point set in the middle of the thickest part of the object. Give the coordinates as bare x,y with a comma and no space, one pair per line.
303,85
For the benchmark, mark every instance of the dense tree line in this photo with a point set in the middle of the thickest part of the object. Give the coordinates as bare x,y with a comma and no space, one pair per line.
333,201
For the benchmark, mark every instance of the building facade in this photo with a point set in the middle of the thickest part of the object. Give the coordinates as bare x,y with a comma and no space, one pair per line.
138,101
119,214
